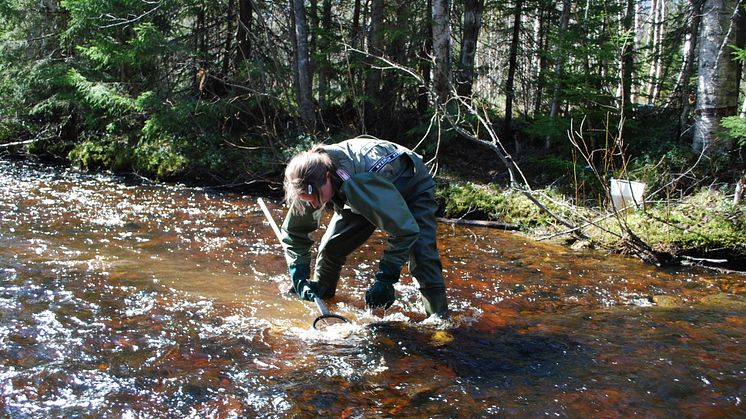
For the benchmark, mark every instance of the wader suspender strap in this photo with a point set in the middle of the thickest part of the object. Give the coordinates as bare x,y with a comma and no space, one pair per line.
342,173
383,161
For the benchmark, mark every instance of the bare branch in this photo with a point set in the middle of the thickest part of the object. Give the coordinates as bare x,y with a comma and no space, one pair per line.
18,143
118,21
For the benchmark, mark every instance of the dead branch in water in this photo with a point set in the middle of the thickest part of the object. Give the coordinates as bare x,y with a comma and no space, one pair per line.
479,223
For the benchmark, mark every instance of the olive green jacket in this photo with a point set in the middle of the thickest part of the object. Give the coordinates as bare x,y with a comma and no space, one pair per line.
380,197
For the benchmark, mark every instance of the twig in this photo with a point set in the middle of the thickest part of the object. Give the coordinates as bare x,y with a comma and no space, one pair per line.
689,170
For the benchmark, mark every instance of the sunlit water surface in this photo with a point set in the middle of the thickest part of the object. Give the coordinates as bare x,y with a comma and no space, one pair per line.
125,299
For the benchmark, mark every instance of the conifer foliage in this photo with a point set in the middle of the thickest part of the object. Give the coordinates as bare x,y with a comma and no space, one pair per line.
214,91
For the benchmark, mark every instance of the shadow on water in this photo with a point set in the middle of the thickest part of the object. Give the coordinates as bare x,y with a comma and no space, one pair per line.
411,370
504,358
614,362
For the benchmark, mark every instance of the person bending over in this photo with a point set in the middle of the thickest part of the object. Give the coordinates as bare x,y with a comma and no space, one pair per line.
371,184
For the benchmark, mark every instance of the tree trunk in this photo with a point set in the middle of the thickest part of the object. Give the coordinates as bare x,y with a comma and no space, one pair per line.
373,79
544,15
628,55
687,67
741,43
396,50
743,101
442,51
324,66
653,46
656,59
354,84
302,67
228,46
472,23
559,63
355,30
243,35
313,23
717,95
639,40
510,81
423,100
201,40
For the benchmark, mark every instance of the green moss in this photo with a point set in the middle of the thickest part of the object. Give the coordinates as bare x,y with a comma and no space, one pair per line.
159,158
109,153
470,200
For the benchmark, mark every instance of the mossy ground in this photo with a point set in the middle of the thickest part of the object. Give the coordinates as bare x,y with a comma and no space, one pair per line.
703,225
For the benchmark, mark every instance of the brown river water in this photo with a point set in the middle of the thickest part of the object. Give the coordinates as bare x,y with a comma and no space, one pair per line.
128,299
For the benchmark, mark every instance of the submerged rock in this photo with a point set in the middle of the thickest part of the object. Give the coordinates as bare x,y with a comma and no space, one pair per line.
727,301
667,301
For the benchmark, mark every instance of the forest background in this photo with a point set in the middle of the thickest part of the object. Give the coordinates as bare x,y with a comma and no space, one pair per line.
525,109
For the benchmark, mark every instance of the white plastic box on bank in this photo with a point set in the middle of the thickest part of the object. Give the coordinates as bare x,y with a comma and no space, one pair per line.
627,193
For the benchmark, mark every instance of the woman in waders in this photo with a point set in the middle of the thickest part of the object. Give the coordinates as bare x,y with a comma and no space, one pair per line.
371,184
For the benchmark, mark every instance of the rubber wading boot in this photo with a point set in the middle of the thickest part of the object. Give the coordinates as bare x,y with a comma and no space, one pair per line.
435,301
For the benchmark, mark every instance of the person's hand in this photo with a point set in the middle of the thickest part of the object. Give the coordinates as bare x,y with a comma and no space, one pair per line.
299,275
380,294
305,290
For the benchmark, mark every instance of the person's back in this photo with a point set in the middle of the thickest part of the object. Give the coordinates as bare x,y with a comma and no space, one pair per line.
372,184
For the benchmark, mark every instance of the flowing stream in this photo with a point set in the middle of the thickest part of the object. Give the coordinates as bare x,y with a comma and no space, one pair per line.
129,299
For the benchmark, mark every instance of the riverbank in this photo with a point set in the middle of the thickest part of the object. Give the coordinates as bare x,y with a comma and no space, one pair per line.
702,228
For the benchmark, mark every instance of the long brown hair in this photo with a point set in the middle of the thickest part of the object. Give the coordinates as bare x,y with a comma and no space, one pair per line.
306,173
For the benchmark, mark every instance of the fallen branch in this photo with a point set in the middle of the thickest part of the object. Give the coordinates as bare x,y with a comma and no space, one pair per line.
479,223
18,143
712,268
693,259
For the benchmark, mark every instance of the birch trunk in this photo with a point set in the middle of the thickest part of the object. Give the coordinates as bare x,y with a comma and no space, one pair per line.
442,51
656,81
654,50
639,40
541,60
717,93
687,66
